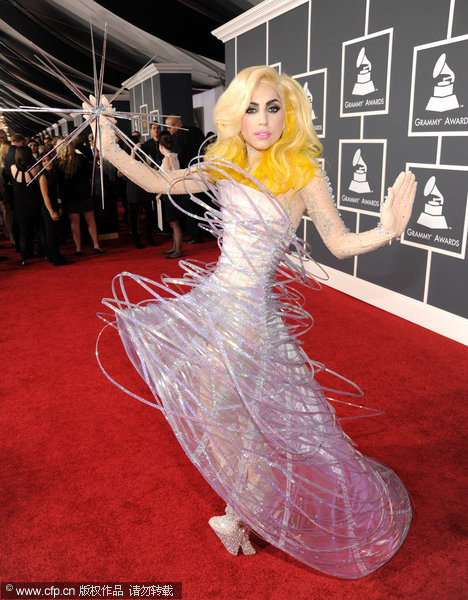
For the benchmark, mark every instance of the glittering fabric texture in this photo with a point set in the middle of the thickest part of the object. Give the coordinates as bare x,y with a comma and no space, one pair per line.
219,350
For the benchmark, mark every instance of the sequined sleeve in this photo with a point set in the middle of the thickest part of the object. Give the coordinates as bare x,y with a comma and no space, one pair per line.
154,181
318,200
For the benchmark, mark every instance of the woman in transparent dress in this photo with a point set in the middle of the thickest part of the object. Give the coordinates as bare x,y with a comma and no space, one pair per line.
220,350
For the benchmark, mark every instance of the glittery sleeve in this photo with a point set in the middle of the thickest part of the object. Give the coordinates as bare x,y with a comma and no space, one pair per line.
151,178
318,200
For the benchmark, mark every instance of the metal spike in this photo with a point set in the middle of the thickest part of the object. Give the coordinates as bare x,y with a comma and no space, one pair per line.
91,113
103,59
66,140
61,76
93,53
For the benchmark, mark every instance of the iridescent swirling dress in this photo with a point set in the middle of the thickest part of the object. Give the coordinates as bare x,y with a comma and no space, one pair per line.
219,350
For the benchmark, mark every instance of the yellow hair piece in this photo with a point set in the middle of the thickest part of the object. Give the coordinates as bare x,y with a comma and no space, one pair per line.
289,163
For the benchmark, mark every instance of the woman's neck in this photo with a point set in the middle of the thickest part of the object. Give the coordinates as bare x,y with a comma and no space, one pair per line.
253,158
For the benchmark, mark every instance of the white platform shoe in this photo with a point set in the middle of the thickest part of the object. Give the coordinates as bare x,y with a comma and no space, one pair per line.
232,532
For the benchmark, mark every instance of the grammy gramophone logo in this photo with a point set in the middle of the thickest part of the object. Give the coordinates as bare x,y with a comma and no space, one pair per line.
439,89
443,97
314,85
440,217
365,74
310,98
359,183
361,174
432,215
364,84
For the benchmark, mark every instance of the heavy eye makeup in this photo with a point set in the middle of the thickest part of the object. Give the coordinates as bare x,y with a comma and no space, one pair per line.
273,106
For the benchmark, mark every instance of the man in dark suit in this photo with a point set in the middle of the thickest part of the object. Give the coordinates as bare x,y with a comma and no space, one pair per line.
151,147
187,144
187,140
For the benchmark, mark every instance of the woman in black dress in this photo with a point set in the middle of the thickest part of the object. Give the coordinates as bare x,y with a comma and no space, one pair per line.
27,204
75,192
51,213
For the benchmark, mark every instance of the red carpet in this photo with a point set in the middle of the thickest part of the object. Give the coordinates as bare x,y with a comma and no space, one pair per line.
95,487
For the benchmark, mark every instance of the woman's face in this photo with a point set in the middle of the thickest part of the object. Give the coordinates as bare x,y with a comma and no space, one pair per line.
262,123
47,163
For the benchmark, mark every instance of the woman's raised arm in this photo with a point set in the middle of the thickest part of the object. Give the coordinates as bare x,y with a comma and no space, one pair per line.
394,216
152,180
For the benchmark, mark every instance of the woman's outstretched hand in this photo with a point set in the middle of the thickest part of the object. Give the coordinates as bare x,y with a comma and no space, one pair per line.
397,208
106,107
105,118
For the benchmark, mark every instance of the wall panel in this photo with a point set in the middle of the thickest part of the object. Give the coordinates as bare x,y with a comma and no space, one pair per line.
288,40
251,48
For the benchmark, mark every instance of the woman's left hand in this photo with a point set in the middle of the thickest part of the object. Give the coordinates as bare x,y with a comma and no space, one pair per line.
397,208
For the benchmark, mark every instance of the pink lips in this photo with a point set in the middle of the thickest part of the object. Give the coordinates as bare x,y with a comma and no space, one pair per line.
262,134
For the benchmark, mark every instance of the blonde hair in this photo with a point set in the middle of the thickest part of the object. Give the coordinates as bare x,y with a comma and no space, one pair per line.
3,152
287,164
67,159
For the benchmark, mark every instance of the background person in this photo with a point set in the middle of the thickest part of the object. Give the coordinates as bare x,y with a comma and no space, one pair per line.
170,213
139,200
4,204
75,193
51,212
27,204
187,143
151,146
